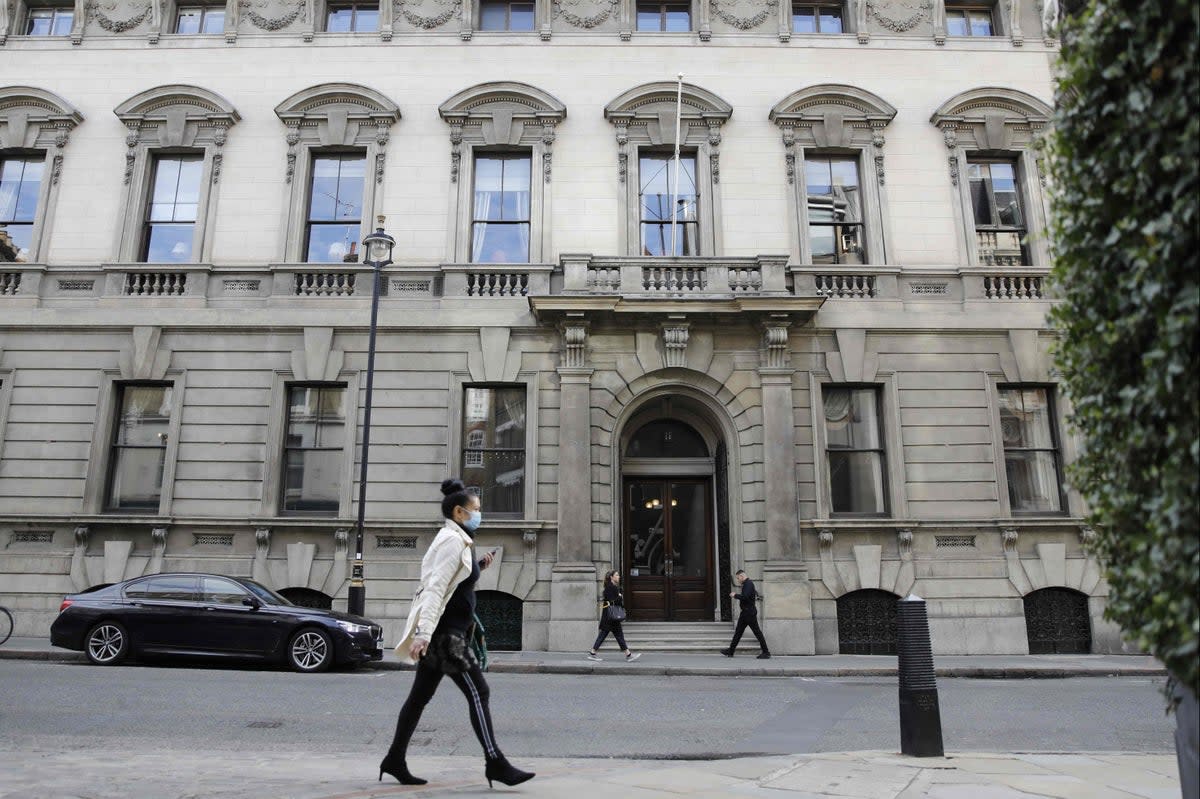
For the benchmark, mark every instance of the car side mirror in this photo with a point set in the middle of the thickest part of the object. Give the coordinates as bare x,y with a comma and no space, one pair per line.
251,602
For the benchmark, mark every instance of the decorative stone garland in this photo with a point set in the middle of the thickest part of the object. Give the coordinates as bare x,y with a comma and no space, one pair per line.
111,25
267,24
429,22
607,9
742,23
918,11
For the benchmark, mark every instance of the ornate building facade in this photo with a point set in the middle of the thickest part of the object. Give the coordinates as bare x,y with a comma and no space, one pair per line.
823,358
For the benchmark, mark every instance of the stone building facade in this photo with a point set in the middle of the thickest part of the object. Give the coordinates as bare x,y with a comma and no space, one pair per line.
832,370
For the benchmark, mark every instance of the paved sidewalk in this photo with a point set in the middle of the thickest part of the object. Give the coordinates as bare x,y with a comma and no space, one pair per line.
855,775
743,665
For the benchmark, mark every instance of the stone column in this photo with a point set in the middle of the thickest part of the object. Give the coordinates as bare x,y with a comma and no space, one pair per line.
573,584
787,606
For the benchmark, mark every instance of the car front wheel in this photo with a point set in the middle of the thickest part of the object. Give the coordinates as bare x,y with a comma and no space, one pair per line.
310,650
107,644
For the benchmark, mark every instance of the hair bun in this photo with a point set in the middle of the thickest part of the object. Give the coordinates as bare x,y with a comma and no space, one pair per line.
453,486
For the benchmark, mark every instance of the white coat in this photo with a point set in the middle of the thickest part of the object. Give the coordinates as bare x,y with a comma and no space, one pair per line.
445,565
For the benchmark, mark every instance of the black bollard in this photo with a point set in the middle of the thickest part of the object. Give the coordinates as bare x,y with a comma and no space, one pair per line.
920,718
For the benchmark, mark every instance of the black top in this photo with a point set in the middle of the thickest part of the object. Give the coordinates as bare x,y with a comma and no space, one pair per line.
748,595
460,610
613,595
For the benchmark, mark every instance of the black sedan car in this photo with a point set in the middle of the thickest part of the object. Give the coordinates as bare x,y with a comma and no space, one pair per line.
210,615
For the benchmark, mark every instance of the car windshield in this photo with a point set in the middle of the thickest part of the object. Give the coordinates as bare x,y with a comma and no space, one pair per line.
264,593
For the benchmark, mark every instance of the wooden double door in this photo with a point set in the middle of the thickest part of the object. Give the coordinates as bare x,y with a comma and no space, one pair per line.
668,536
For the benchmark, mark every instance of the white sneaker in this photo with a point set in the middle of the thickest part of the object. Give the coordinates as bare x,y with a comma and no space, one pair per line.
632,656
595,657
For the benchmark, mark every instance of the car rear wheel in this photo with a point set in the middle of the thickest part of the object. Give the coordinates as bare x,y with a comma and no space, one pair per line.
310,650
107,644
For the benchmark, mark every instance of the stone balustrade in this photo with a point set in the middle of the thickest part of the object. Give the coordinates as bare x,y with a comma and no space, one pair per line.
647,278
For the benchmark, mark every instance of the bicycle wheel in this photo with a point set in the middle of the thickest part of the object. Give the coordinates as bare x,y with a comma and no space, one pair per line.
6,625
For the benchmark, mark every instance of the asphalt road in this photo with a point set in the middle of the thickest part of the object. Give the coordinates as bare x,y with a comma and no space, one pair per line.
47,706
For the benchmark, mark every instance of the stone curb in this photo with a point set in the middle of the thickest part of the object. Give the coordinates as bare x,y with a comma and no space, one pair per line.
649,670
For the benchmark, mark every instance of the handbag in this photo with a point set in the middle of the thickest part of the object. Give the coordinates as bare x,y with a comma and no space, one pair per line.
478,644
614,614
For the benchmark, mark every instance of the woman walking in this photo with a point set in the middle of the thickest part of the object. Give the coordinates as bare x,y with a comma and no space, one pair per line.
436,638
610,620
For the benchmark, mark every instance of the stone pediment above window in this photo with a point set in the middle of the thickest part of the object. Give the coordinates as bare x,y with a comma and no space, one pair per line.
338,115
649,110
502,113
833,116
32,118
177,116
992,119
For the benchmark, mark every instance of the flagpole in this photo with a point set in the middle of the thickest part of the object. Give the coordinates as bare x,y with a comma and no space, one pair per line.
675,182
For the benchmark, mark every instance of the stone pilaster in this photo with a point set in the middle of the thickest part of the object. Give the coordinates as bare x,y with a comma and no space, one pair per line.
573,583
787,605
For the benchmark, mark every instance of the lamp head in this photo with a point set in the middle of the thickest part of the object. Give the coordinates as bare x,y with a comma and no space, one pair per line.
377,247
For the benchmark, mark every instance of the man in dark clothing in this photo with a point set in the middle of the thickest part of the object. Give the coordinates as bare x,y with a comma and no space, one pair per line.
748,617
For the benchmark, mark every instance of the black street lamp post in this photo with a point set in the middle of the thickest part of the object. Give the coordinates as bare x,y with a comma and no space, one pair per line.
377,251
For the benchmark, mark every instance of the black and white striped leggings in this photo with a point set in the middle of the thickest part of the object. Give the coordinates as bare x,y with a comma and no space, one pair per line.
425,685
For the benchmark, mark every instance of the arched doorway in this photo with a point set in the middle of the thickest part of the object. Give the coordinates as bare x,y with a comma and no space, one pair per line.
673,512
867,622
1057,622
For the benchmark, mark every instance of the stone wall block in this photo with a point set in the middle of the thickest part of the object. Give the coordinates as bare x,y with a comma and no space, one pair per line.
1036,572
299,564
848,574
116,558
867,559
648,353
1054,566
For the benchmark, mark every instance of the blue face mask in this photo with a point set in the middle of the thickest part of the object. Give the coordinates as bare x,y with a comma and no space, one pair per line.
474,519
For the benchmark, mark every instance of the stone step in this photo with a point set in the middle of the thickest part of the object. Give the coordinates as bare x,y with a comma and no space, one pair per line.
681,637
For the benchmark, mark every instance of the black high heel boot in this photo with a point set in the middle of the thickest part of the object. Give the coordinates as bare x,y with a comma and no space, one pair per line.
500,770
398,768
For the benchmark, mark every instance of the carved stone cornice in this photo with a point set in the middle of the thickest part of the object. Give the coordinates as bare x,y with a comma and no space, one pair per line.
776,353
1010,539
574,338
733,12
586,14
428,14
899,16
104,14
675,342
825,539
253,11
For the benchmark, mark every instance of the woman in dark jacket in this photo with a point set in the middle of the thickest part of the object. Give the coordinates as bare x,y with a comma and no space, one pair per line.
612,598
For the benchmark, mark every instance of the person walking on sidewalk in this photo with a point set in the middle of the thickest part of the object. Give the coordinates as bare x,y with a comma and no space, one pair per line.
437,634
612,612
748,617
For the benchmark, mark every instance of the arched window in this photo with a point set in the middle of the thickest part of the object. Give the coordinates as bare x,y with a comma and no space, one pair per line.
833,160
307,598
500,614
993,141
35,126
867,622
175,138
1057,622
643,121
505,130
337,135
666,438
